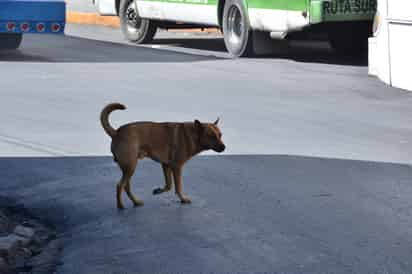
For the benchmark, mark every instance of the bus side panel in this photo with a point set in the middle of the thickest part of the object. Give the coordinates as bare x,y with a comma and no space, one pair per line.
191,11
291,5
151,9
278,15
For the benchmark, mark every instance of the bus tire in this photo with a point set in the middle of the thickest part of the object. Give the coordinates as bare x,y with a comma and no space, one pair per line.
237,32
135,29
350,39
10,40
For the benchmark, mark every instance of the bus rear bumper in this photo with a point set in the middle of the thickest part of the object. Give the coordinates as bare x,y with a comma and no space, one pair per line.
272,20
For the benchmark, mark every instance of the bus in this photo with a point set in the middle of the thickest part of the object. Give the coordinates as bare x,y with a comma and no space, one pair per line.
390,55
18,17
246,24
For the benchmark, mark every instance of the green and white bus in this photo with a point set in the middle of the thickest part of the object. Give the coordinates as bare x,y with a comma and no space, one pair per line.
346,22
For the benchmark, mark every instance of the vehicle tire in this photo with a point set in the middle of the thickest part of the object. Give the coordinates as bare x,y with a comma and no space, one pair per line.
135,29
350,39
10,40
237,33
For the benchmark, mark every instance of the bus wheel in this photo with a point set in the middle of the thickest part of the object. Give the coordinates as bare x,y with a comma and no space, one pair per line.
236,29
350,39
10,40
134,28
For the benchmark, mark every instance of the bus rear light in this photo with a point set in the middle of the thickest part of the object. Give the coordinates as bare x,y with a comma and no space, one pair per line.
25,27
377,22
56,27
40,27
11,26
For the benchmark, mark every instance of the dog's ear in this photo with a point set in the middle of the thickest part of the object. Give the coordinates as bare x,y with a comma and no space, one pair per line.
217,121
198,126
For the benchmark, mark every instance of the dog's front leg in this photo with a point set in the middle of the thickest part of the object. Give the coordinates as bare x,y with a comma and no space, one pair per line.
177,176
167,172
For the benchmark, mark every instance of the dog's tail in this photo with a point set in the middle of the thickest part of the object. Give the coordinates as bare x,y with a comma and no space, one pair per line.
104,118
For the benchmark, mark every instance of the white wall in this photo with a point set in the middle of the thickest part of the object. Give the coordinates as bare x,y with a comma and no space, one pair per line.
400,42
390,51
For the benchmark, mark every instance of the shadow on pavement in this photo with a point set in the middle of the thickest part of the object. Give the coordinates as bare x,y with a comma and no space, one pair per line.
213,44
300,51
66,49
319,52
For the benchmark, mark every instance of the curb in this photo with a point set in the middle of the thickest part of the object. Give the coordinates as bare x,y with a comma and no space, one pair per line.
88,18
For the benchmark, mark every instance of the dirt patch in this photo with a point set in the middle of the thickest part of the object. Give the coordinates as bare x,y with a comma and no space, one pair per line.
27,243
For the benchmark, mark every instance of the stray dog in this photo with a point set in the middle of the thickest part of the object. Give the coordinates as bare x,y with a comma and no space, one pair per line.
170,144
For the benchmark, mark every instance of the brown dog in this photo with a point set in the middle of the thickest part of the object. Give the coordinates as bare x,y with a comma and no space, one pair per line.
171,144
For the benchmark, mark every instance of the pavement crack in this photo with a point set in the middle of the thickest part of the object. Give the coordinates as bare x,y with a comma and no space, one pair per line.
38,147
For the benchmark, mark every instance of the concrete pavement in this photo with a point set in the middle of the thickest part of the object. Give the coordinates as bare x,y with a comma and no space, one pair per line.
288,104
267,207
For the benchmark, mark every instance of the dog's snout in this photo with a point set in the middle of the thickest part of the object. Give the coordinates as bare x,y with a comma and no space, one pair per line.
221,148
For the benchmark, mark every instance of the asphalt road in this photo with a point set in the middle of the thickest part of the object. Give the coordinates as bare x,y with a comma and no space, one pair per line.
250,214
279,200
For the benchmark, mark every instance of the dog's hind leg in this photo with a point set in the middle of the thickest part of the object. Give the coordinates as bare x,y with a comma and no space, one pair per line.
177,176
136,202
167,172
119,190
129,173
128,166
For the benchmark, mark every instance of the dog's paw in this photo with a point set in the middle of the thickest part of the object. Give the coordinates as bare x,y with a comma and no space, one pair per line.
138,204
186,201
157,191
